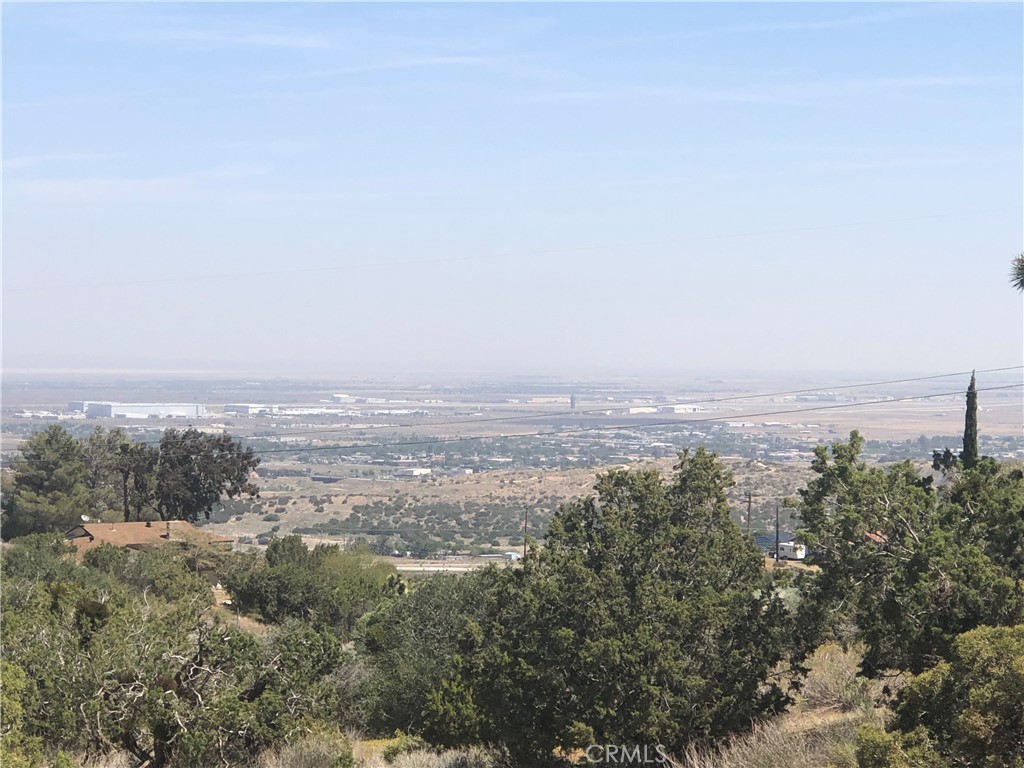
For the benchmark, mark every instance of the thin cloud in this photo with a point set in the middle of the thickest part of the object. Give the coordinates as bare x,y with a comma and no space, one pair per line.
213,182
264,39
842,22
34,161
926,81
122,22
93,98
782,93
509,65
681,93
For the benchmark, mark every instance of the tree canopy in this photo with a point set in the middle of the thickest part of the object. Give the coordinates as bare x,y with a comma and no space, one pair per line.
57,478
194,469
910,567
123,653
966,711
412,643
47,489
326,586
646,617
1017,272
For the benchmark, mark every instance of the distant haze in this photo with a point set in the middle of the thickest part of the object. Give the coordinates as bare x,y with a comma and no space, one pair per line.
569,190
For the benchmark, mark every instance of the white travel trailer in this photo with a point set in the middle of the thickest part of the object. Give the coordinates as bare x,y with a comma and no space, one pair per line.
790,550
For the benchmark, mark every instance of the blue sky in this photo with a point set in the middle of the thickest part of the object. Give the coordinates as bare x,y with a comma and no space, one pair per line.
572,189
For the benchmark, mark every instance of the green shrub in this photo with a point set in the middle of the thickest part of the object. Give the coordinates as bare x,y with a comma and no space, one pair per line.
403,743
320,748
968,710
17,750
877,749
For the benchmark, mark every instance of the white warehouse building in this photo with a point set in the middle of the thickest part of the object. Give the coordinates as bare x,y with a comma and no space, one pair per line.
250,409
412,472
97,410
679,408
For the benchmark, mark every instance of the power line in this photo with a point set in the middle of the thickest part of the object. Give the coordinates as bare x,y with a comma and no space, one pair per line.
603,409
616,427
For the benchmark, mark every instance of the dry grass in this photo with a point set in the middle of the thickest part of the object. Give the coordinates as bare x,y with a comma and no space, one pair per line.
316,750
112,760
833,682
817,743
818,733
473,757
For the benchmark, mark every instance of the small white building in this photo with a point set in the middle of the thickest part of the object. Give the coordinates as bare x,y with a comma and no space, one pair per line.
790,550
678,408
411,472
250,409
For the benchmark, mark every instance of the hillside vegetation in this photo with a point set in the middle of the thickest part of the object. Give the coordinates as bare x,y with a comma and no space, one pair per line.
644,626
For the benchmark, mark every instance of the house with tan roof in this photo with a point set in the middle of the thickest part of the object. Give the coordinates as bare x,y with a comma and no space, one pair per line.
142,535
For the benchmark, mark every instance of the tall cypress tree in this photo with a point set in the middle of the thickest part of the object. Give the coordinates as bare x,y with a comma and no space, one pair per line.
969,455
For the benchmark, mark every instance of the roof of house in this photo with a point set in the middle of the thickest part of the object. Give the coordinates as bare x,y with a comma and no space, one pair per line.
140,535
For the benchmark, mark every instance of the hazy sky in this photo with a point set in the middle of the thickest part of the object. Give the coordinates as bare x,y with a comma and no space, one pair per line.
523,188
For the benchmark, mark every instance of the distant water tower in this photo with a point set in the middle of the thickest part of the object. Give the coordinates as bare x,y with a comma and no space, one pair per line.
572,402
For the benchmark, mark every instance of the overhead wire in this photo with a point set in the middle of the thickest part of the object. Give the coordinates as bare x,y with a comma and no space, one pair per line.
636,425
603,409
620,427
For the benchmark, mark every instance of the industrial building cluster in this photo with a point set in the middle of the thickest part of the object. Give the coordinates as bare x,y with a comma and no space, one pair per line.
102,410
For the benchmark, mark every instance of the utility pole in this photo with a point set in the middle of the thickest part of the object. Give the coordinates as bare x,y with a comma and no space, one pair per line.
749,497
776,532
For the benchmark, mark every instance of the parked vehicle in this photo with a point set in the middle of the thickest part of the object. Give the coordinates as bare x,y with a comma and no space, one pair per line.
790,550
